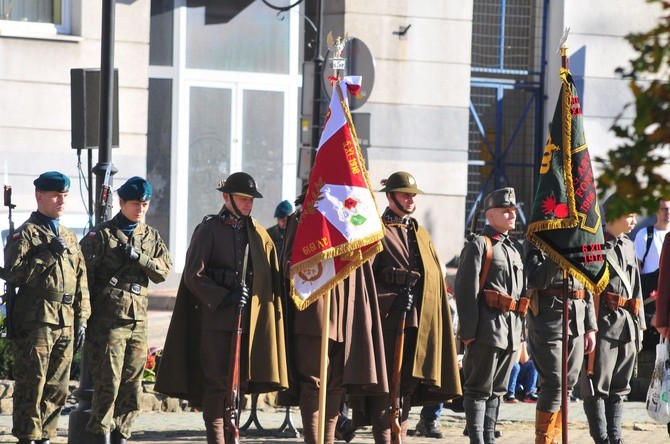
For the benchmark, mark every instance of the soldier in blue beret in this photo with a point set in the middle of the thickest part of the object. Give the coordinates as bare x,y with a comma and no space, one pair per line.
122,256
278,231
50,310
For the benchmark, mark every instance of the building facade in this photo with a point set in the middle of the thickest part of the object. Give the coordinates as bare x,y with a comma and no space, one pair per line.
462,96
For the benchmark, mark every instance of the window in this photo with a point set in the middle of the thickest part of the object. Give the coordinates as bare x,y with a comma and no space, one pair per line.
36,16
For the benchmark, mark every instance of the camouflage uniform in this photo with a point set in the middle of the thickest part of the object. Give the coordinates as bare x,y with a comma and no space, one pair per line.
52,300
117,339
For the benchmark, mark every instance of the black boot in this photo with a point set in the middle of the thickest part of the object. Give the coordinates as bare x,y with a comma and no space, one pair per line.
594,407
101,439
118,438
613,414
43,441
490,419
25,441
474,418
429,429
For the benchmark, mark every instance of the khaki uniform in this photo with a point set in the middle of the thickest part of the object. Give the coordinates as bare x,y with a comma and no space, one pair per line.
356,363
429,363
117,338
196,358
488,360
616,341
52,299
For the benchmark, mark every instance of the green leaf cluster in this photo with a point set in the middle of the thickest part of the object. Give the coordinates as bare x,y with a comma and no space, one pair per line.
633,170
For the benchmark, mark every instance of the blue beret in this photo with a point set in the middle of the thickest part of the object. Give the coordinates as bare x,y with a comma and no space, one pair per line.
136,188
52,181
283,209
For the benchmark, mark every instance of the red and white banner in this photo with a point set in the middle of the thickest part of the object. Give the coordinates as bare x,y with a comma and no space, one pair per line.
340,227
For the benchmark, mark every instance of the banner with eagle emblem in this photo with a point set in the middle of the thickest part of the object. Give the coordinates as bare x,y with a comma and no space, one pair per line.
566,223
340,227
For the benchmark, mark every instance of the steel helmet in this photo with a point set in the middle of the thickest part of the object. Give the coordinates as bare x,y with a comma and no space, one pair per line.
239,183
400,182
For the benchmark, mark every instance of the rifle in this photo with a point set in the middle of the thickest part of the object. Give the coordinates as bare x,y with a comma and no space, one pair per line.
104,193
10,290
232,406
475,218
394,390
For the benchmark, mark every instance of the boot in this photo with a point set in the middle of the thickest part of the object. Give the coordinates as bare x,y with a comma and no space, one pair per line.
380,416
214,431
101,439
118,438
558,428
428,429
594,407
43,441
490,419
474,418
545,423
613,414
25,441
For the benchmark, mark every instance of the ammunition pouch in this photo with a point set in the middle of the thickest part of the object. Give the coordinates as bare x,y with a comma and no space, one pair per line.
613,301
223,277
400,276
505,303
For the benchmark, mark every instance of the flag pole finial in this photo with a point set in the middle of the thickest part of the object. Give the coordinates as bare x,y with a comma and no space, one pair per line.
337,46
562,49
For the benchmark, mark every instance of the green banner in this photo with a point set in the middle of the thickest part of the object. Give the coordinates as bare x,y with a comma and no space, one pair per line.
566,223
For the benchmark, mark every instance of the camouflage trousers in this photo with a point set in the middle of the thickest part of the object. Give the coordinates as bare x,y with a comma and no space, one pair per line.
117,355
42,359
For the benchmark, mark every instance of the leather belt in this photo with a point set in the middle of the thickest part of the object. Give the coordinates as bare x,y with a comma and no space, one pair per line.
614,301
505,303
573,294
54,296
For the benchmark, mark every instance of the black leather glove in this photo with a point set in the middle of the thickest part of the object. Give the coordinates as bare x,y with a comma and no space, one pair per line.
131,253
404,301
238,296
79,337
58,246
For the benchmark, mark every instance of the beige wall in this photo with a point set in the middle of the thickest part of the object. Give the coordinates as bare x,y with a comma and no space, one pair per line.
419,104
35,93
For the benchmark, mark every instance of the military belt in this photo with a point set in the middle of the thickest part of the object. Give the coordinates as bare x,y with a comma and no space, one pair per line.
399,276
614,301
505,303
55,296
573,294
131,287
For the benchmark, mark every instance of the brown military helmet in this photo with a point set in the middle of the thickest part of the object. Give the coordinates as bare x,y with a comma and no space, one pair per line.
239,183
400,182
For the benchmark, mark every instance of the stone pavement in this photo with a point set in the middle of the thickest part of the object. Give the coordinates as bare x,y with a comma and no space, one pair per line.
516,424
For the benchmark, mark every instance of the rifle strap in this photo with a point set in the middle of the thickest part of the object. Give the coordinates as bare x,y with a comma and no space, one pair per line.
650,240
488,257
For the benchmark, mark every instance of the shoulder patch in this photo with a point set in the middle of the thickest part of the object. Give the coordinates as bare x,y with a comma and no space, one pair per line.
91,233
16,235
209,217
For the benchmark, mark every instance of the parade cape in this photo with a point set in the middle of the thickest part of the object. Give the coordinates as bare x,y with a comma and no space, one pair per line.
566,223
340,227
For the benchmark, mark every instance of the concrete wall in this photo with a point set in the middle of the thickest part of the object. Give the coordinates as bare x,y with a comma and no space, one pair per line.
35,93
419,104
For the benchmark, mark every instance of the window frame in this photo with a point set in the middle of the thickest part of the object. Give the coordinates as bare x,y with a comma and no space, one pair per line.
27,29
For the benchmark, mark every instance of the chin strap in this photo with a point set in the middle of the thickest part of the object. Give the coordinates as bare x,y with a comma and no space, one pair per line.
400,207
236,210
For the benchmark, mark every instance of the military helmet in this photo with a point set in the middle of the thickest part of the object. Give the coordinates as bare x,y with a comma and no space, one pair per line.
239,183
400,182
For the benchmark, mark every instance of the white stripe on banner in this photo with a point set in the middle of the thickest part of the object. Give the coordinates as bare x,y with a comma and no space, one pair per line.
312,279
351,210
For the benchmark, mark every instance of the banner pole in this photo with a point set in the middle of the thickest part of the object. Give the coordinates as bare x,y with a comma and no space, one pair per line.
564,372
323,376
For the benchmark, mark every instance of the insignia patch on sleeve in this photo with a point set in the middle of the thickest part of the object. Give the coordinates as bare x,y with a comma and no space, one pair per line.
91,234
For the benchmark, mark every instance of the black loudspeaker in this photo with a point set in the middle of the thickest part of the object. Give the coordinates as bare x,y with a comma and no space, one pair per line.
85,111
